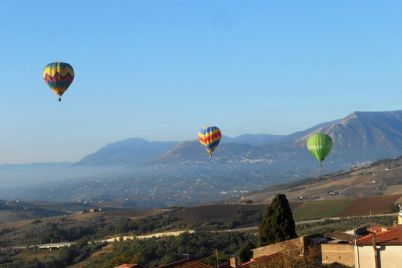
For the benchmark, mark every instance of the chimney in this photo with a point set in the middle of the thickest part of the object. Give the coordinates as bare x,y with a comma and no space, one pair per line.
233,262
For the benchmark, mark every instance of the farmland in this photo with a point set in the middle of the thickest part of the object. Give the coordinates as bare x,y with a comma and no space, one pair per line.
379,178
320,209
370,205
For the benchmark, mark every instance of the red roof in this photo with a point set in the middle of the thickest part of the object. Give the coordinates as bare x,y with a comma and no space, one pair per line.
263,259
128,265
391,237
378,229
187,264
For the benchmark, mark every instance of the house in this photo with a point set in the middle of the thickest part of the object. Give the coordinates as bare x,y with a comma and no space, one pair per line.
381,249
337,248
328,248
260,261
400,215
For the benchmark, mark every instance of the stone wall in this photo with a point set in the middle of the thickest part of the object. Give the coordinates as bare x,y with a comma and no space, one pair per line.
340,253
270,249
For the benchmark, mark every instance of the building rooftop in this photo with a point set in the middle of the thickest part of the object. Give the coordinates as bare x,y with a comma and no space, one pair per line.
390,237
341,236
187,264
128,265
262,260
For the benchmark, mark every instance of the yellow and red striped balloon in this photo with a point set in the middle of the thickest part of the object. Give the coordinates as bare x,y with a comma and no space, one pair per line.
210,138
58,76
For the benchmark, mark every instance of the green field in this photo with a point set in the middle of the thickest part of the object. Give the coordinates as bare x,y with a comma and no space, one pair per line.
320,209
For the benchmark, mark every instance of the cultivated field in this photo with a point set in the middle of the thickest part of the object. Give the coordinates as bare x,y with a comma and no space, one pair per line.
193,215
381,178
370,205
320,209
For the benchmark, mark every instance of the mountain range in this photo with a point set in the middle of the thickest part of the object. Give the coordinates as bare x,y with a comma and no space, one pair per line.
377,134
142,172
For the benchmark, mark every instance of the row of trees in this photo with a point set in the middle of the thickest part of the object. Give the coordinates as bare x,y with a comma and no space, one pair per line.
276,225
156,252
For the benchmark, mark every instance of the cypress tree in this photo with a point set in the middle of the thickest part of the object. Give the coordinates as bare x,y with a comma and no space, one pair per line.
245,252
277,223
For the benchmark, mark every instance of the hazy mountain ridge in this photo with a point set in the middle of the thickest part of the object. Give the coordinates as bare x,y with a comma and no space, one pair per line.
363,131
371,132
130,151
258,139
359,137
156,173
140,151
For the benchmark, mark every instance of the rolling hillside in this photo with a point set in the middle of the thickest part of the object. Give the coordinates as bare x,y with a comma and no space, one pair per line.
383,177
130,151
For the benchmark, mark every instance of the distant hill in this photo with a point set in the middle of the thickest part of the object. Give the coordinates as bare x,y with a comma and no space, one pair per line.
130,151
258,139
359,137
24,210
368,131
140,151
144,173
383,177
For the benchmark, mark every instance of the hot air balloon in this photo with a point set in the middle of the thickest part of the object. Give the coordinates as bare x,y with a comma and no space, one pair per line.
210,138
319,145
58,76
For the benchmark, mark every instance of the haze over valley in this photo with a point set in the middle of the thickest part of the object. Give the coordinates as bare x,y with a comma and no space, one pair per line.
140,173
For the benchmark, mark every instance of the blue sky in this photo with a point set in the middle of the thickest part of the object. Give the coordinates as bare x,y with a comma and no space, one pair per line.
163,69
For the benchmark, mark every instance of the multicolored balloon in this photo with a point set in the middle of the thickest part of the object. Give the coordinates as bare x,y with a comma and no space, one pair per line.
58,76
319,145
210,138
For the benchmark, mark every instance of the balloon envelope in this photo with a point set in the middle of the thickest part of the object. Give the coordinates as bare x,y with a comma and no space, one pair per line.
319,145
210,138
58,76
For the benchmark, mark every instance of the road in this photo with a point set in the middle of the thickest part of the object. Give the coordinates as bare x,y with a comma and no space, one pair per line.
148,236
60,245
48,246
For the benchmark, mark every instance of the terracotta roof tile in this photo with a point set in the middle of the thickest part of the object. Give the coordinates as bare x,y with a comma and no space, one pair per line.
341,236
187,264
378,229
263,259
391,237
128,265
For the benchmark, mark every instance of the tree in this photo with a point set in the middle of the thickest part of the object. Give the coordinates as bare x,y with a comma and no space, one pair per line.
277,223
245,252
